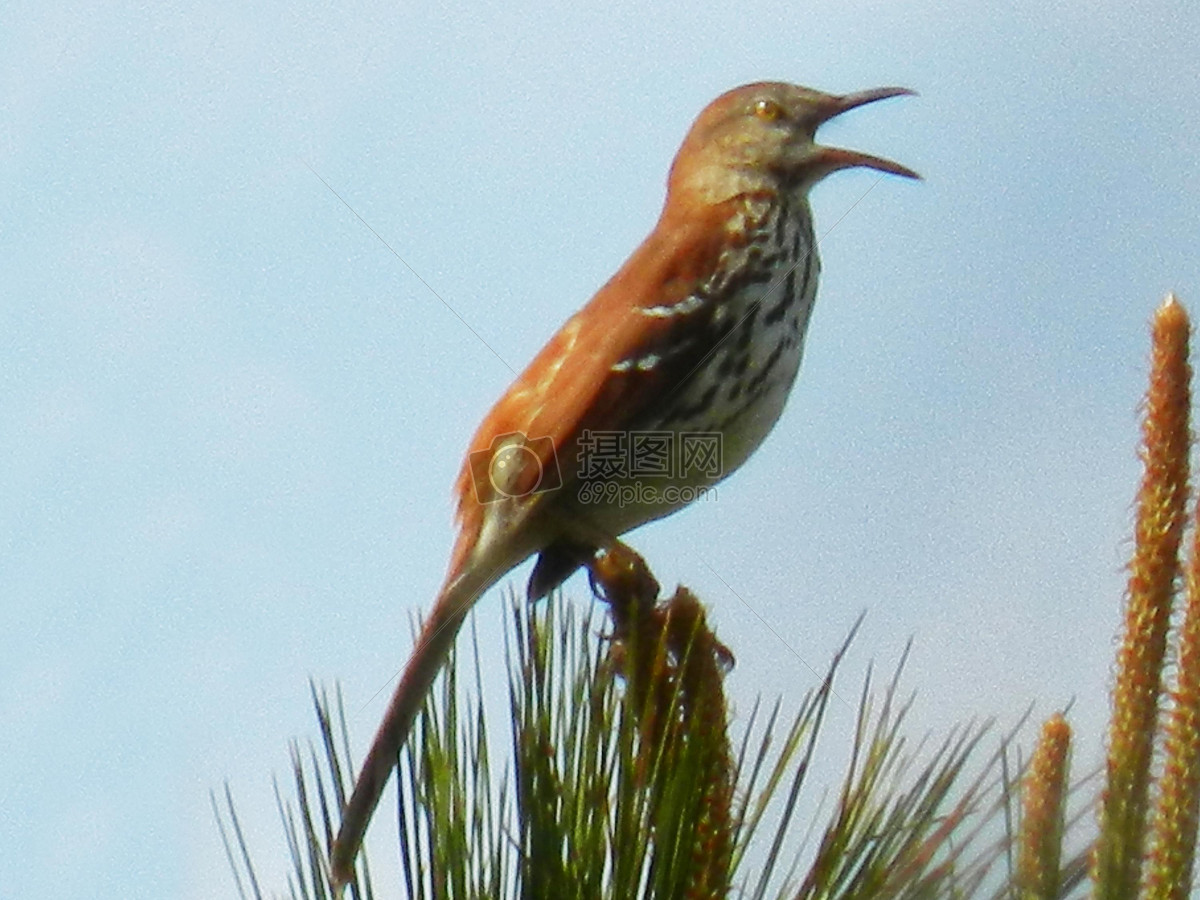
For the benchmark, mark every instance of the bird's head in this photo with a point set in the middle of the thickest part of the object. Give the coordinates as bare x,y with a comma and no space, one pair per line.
762,137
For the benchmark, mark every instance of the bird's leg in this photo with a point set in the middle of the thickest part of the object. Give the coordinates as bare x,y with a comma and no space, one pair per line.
555,564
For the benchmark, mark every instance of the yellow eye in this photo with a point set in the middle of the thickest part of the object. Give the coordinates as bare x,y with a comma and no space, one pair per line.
768,110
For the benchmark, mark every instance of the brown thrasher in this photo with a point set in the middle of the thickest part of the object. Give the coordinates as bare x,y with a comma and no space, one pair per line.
699,335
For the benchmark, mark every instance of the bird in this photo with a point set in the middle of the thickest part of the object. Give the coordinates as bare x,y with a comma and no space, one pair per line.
697,338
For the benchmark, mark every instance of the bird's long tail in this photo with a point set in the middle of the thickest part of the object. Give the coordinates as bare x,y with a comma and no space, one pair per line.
432,648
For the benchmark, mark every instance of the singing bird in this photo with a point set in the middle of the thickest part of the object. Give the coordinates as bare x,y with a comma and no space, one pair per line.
699,333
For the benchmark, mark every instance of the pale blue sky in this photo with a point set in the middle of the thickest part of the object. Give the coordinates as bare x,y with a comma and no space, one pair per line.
231,417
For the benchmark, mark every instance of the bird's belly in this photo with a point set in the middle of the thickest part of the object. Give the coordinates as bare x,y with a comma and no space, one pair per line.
744,408
713,423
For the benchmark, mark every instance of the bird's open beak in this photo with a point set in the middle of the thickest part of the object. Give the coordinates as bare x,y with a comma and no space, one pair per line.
830,159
